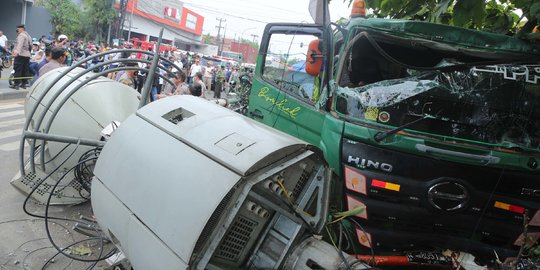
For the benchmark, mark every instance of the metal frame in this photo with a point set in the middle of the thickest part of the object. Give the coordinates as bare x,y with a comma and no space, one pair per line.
44,136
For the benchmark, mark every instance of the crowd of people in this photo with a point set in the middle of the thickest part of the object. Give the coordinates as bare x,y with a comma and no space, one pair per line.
189,72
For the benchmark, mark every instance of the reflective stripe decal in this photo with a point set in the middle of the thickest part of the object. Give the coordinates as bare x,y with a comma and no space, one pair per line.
509,207
385,185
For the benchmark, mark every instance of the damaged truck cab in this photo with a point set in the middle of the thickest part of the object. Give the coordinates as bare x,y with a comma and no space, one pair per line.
434,129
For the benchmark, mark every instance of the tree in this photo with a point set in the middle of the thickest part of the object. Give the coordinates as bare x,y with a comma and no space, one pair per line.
99,14
501,16
207,39
65,17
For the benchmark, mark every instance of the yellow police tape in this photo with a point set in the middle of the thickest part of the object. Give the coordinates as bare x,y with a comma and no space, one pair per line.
18,78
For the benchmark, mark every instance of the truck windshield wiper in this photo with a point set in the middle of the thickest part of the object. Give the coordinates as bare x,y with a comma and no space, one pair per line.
383,135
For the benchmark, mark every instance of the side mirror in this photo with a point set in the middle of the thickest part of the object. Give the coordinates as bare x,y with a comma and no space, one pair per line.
314,58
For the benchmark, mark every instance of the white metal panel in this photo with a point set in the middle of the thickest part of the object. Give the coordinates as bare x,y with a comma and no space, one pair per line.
162,257
86,113
139,243
171,187
211,124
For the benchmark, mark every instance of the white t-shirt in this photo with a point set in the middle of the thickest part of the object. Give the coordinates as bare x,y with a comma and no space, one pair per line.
179,64
194,69
209,72
115,56
3,40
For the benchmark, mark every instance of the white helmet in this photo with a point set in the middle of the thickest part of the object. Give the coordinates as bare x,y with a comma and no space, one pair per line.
62,37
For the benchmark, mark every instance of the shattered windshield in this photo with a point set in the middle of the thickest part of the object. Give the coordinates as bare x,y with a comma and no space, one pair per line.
498,104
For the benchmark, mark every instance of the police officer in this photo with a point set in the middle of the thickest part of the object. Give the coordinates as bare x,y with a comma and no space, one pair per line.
22,54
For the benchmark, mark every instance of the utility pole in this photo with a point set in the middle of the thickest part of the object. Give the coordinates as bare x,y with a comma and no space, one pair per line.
254,37
122,16
223,39
109,30
131,18
221,20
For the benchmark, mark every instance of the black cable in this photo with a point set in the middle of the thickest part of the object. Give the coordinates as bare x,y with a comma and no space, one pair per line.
46,217
37,185
368,239
23,261
339,249
47,223
113,251
20,246
83,174
59,152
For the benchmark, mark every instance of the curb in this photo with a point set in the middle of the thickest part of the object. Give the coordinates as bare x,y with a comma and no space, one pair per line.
13,94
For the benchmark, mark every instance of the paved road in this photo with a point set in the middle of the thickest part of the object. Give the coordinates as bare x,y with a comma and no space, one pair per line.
4,75
23,240
5,91
11,122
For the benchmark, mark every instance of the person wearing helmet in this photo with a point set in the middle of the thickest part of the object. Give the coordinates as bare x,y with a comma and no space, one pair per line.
37,57
35,49
63,41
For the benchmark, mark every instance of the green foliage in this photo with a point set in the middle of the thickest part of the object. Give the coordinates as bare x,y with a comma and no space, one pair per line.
500,16
500,19
99,14
207,39
534,253
69,19
534,11
469,14
65,16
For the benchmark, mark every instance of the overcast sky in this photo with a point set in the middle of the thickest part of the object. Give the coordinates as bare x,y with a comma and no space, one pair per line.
247,17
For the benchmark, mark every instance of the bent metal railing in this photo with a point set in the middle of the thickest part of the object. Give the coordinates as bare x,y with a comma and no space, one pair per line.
33,135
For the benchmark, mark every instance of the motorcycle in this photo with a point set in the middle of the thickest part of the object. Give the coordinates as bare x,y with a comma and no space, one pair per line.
241,91
5,58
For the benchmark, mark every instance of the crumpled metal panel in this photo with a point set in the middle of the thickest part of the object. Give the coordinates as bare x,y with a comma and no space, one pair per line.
497,104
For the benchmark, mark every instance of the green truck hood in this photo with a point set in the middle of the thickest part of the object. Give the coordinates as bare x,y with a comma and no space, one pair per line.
459,38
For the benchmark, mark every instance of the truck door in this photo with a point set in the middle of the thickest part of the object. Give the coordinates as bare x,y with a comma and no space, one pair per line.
283,95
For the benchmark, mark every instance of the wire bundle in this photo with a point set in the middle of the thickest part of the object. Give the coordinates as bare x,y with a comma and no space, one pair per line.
85,168
83,174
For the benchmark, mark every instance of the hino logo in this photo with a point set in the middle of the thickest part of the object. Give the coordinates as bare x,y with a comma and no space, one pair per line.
530,192
448,196
366,163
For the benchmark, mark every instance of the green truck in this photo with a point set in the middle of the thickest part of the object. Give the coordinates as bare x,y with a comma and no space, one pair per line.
434,129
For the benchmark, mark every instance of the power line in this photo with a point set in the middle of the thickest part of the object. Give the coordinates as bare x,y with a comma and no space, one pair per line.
252,6
253,9
228,14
